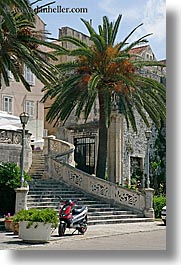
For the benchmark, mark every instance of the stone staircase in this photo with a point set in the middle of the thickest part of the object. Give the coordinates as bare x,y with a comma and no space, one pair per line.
44,194
38,164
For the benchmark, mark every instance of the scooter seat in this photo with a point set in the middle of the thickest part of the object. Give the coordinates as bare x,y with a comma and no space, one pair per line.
78,210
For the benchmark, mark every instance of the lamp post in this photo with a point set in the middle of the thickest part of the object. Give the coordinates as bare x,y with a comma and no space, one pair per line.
24,117
148,134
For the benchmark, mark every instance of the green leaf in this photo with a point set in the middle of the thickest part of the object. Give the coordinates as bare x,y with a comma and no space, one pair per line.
93,83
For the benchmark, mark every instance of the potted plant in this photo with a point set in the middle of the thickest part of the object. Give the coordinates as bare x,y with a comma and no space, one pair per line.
8,222
36,225
10,225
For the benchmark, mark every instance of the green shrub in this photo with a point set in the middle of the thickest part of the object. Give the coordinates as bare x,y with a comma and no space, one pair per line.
158,203
36,215
10,175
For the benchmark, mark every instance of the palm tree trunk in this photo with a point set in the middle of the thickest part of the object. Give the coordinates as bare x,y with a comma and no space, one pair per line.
103,137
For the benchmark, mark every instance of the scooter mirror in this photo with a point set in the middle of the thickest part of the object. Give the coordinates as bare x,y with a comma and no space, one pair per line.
60,198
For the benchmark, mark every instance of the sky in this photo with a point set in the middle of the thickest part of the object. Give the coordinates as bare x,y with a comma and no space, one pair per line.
152,13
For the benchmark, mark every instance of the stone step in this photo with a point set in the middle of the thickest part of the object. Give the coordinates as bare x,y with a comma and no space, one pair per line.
43,194
115,221
106,217
46,196
50,203
63,194
38,158
36,171
104,213
38,165
54,200
51,187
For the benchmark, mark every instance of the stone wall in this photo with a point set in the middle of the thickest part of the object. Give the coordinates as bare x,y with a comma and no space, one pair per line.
135,146
10,148
12,152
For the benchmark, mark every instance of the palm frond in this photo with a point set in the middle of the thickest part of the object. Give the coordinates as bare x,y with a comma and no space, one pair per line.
115,29
88,106
99,42
81,52
124,42
77,42
106,32
139,41
68,66
89,27
93,82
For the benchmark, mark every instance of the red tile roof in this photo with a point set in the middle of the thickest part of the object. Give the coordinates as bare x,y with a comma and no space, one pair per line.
138,50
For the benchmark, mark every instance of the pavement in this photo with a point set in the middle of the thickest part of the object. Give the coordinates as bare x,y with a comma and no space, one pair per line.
12,242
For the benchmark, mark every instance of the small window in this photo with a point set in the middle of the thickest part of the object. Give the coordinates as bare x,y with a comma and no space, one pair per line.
8,104
147,56
30,108
29,76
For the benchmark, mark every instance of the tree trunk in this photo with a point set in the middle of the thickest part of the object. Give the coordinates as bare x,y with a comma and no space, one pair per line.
103,138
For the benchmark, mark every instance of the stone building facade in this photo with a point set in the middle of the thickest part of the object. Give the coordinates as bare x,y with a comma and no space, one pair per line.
126,150
15,99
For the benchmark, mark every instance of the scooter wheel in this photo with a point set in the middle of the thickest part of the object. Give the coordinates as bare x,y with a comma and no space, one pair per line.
61,229
82,229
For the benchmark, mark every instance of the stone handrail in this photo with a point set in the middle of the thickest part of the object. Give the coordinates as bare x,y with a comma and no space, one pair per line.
61,166
59,149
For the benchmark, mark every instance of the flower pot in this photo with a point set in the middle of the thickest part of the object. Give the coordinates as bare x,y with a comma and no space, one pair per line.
8,225
37,232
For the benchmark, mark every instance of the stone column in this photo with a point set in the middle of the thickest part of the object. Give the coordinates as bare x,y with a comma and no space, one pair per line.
47,154
21,198
149,211
115,148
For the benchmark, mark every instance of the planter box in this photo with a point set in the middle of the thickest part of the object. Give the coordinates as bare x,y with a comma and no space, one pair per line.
37,232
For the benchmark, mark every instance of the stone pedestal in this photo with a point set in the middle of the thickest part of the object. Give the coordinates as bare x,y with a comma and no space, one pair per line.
21,198
115,148
149,211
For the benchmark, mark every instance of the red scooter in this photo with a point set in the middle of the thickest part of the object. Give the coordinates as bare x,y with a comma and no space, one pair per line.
74,216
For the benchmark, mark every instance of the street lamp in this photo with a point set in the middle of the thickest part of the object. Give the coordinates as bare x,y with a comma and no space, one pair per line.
24,117
148,134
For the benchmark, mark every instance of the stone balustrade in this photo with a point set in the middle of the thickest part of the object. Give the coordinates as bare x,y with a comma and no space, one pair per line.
108,191
13,137
10,147
60,165
59,149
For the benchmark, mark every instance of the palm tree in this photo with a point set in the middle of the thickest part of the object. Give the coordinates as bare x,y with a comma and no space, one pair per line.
6,6
109,72
21,43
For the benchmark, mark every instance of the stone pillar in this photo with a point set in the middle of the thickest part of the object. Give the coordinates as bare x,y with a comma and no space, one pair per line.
21,198
149,211
115,148
47,154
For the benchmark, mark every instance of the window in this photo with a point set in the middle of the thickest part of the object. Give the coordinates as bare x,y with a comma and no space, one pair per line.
30,108
29,76
8,104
